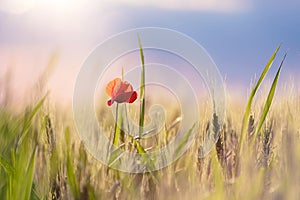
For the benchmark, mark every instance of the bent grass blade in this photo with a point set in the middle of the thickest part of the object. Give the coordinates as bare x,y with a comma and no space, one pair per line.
251,97
268,101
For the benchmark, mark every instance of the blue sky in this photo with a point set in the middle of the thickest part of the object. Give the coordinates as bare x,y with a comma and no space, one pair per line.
240,43
240,35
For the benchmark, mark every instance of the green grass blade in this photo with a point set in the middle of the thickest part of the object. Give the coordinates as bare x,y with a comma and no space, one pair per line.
74,187
11,177
118,133
251,97
34,193
91,192
33,113
73,183
118,130
7,167
139,147
142,86
28,120
217,176
184,141
115,156
29,174
142,90
269,101
145,158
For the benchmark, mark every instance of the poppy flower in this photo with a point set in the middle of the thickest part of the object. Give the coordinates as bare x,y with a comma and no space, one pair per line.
120,91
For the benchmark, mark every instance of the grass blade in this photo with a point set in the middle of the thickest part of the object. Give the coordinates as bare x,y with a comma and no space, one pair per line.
8,168
30,173
117,130
139,147
146,159
28,120
115,156
269,101
251,97
142,90
73,183
184,141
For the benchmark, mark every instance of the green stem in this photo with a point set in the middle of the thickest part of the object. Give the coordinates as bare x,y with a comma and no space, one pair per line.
115,139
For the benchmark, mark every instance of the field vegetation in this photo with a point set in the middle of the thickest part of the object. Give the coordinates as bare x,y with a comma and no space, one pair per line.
257,155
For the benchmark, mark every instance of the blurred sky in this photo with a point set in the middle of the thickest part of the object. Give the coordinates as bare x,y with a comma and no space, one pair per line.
240,35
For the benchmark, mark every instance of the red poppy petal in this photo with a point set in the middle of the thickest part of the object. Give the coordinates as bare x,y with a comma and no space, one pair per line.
121,92
123,97
124,87
133,97
109,102
111,87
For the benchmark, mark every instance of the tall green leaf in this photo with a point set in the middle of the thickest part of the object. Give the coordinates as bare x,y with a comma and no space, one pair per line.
73,183
29,174
251,97
142,90
269,101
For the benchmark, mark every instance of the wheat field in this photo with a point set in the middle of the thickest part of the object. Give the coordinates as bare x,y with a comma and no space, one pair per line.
257,155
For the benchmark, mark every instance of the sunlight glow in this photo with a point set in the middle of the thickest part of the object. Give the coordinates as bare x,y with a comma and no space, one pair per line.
16,6
61,6
23,6
205,5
